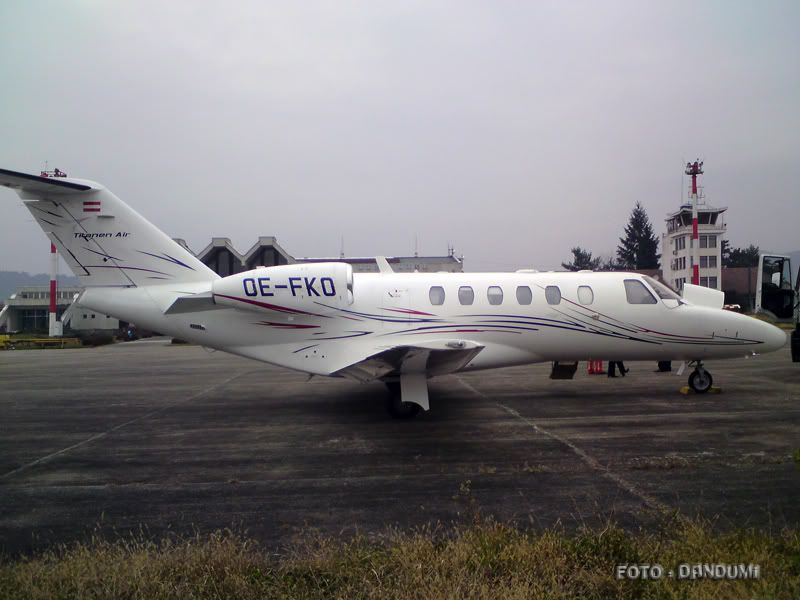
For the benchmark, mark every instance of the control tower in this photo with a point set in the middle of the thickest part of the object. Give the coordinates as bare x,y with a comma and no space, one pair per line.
687,245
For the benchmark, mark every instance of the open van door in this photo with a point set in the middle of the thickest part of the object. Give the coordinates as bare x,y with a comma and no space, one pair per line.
775,295
795,339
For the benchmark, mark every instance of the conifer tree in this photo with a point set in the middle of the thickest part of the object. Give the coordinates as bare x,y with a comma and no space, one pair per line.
739,257
581,259
639,248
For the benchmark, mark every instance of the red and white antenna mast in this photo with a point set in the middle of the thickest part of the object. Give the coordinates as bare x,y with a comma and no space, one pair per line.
695,169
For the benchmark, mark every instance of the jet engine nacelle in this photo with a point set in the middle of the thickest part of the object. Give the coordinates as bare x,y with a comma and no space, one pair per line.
292,289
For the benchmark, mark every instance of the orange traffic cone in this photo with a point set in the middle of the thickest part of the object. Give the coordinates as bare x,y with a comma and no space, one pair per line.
598,367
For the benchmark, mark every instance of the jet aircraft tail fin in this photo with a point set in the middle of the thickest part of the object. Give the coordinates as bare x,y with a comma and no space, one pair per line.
103,240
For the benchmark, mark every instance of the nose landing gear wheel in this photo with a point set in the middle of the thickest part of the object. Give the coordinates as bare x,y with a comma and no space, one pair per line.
700,381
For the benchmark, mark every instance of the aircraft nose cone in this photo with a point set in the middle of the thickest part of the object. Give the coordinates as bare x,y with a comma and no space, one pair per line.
774,338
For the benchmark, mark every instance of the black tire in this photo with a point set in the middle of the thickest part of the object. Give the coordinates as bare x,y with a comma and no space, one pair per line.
395,405
700,382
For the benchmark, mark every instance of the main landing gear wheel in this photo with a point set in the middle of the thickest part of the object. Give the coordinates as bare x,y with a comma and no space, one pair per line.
397,408
700,380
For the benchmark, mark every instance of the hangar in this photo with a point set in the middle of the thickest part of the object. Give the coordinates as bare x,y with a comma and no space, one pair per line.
222,257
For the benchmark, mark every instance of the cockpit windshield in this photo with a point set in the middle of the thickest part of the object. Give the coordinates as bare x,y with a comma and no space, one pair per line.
664,292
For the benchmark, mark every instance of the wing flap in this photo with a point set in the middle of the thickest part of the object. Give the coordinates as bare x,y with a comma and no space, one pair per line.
430,358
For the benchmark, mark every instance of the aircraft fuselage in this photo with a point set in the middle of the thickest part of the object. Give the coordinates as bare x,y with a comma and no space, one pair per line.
387,310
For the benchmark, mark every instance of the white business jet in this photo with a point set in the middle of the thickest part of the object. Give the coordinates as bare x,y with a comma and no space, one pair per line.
399,328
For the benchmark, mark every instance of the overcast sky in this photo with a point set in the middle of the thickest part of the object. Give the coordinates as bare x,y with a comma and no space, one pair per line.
511,130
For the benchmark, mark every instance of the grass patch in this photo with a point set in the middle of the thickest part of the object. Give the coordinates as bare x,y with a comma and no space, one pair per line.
483,560
526,468
19,341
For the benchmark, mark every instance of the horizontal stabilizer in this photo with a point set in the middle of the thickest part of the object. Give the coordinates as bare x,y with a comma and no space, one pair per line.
35,184
66,316
192,304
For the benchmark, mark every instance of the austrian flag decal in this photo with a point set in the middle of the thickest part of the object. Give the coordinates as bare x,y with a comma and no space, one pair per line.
91,206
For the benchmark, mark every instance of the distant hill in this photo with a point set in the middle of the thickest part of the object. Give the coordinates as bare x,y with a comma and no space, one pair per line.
11,280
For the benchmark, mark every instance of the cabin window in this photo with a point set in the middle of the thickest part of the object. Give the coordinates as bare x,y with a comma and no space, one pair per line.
524,294
466,295
637,293
585,294
495,295
552,294
436,294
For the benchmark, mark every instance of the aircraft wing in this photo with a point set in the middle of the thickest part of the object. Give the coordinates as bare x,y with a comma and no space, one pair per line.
428,358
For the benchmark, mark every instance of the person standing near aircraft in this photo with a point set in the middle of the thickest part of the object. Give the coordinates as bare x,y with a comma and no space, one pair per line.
612,365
